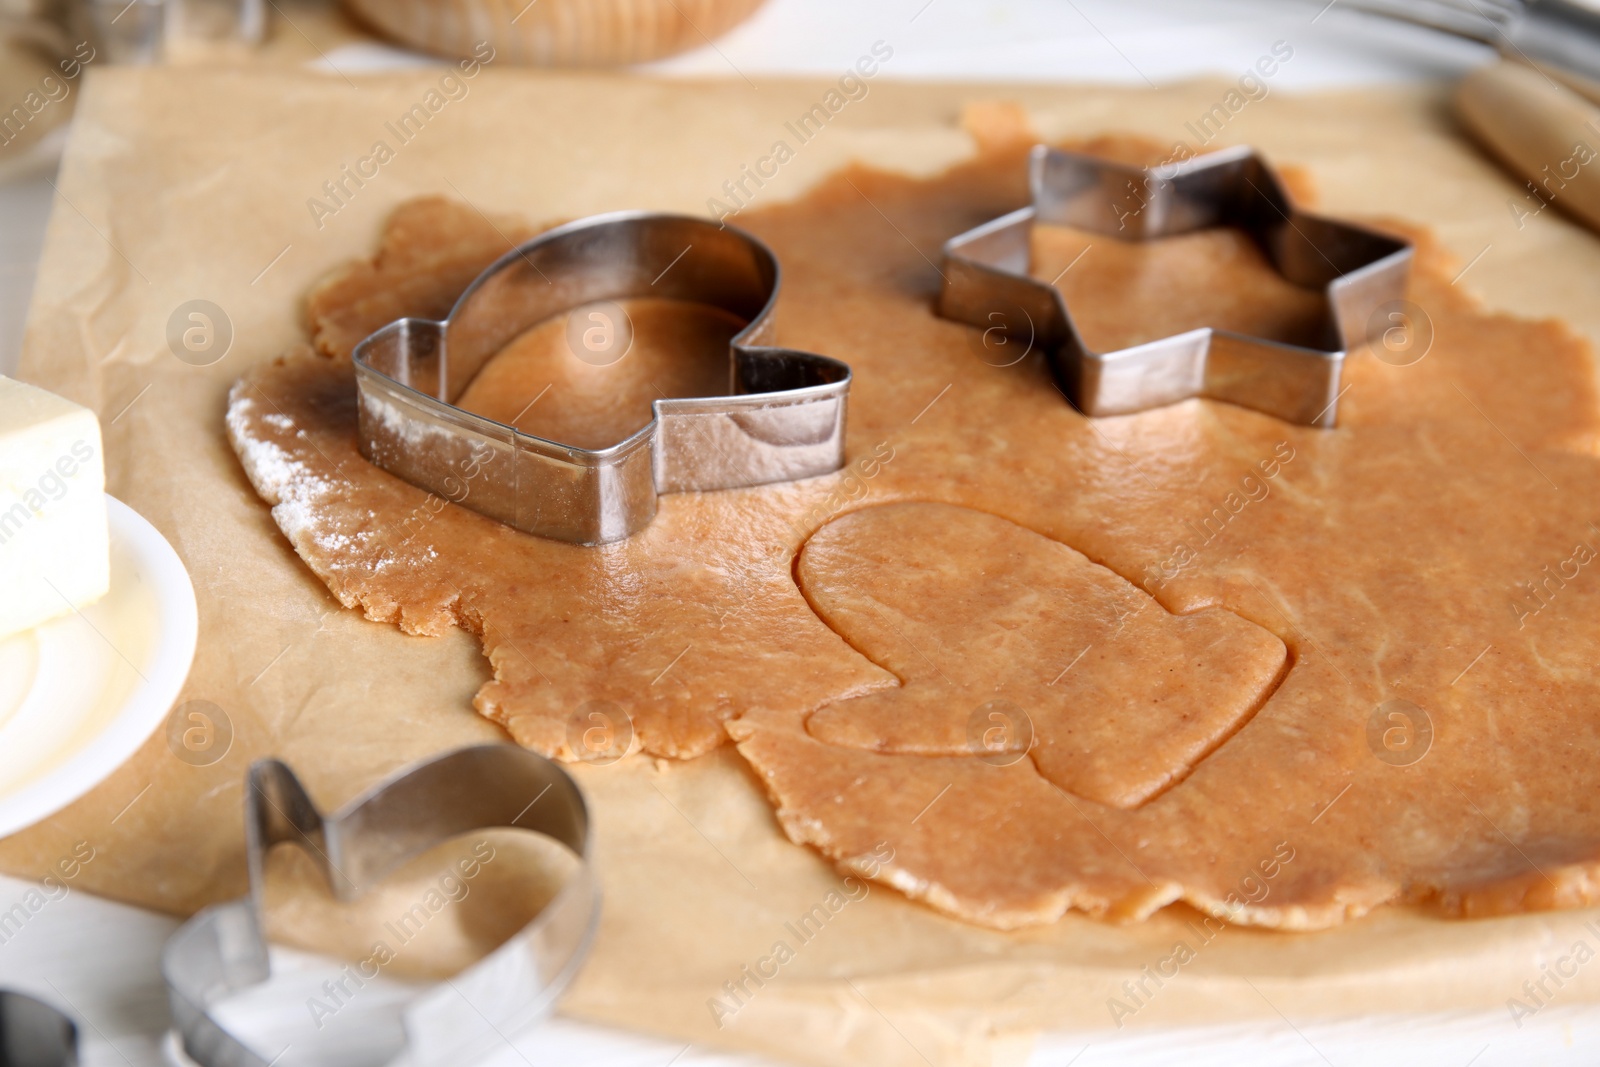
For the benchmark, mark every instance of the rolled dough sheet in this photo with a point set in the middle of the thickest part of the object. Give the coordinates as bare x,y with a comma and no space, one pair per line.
1155,717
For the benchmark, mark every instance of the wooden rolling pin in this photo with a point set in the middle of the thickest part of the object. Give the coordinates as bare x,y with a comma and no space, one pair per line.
1542,131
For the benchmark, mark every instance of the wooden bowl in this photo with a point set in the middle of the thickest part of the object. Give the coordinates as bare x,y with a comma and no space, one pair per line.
554,33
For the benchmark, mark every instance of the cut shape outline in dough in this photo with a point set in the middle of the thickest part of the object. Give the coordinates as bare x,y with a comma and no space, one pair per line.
1176,752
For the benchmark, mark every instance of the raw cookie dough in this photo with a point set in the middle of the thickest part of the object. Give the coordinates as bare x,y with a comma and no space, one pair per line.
1429,567
1005,641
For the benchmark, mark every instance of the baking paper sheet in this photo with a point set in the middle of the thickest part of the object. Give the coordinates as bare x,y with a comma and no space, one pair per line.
201,185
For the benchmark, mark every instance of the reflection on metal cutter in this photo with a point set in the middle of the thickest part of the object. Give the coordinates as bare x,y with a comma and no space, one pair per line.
1360,270
781,419
222,949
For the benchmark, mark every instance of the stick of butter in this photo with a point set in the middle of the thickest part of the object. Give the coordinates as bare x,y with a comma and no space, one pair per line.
55,555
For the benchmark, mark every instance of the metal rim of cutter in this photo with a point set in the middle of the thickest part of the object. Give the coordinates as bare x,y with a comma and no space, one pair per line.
1359,269
781,419
223,948
35,1034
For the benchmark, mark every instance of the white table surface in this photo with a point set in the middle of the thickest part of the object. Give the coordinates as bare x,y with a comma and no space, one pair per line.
99,959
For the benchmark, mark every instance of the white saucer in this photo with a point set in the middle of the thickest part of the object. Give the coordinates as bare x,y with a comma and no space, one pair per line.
80,694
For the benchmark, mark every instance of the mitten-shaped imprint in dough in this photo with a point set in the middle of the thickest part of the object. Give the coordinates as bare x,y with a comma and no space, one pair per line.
1010,645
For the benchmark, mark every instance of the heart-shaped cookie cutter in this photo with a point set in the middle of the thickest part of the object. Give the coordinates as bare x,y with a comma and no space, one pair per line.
222,949
1359,270
35,1034
782,418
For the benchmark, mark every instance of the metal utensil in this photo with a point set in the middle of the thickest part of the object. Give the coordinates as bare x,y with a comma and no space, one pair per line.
1358,270
35,1034
781,418
1560,37
222,949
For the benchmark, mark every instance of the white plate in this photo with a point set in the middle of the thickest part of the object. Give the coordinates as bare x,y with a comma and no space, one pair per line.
79,695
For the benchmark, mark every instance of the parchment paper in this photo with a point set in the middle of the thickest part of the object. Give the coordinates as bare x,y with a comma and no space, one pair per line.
193,184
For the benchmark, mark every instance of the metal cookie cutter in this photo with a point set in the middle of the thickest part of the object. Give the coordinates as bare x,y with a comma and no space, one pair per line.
1359,270
782,418
222,949
34,1034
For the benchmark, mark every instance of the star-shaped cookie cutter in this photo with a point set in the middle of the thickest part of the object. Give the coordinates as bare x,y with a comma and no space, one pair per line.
1359,270
781,419
223,949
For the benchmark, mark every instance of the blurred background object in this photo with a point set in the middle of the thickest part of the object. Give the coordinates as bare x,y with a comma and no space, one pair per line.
555,33
199,30
991,41
127,31
35,38
1560,37
1531,110
1541,131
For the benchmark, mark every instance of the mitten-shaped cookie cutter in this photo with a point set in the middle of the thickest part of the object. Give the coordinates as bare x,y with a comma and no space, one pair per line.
222,949
782,417
1359,270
